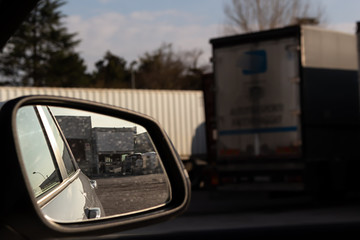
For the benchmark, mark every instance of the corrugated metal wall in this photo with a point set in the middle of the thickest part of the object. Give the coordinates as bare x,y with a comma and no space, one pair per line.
181,113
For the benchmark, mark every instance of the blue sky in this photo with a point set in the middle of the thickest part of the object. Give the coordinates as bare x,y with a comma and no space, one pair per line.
211,11
129,28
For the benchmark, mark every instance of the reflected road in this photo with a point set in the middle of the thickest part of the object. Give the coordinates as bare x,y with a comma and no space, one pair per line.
132,193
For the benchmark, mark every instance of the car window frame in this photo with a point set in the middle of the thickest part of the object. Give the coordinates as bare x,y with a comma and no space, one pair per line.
66,179
47,146
66,145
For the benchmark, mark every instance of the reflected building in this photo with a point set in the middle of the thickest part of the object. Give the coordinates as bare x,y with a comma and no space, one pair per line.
112,145
143,143
78,133
97,150
109,151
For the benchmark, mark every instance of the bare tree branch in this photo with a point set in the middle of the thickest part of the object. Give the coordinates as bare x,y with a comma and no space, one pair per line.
254,15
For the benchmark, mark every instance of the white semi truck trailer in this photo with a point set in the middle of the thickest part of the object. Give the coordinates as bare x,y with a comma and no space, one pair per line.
283,111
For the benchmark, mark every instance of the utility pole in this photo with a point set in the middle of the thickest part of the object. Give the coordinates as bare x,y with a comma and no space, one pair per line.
133,63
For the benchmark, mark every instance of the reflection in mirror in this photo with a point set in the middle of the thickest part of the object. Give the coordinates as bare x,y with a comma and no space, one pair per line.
82,165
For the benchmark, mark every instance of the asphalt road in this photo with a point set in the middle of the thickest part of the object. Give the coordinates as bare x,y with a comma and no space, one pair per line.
132,193
212,210
219,210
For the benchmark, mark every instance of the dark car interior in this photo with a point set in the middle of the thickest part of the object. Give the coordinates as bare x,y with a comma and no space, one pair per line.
12,12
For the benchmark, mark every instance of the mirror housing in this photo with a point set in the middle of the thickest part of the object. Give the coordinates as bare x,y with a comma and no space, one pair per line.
21,207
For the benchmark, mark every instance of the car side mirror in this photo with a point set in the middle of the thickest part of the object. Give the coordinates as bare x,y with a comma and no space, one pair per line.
78,168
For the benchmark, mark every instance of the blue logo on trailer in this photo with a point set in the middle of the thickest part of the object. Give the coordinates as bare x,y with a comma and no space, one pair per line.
253,62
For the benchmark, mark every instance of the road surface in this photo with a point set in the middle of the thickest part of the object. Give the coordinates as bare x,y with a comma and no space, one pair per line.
219,210
124,194
227,210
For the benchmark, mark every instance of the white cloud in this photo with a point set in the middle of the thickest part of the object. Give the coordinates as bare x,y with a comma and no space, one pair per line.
129,36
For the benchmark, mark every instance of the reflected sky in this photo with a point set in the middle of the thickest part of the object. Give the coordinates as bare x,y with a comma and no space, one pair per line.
39,163
98,120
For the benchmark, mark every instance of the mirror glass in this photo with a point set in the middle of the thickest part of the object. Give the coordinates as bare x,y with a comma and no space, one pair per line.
82,165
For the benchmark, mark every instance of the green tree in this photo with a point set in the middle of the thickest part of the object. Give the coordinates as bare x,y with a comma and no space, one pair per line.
66,70
166,69
194,72
34,55
111,72
161,69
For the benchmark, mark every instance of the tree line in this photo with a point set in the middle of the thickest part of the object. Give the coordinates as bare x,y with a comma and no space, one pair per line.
42,52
